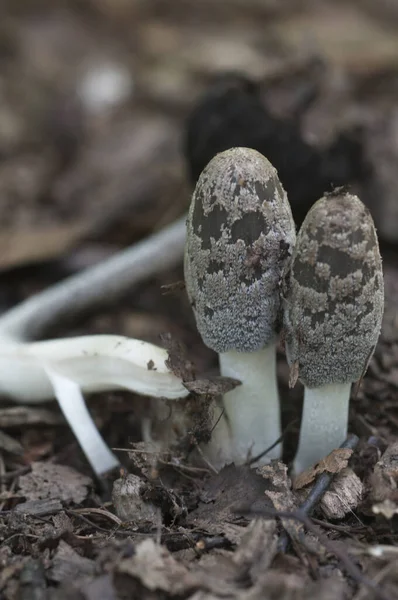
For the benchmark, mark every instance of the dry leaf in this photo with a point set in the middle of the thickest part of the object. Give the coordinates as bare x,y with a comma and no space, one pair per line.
281,495
217,386
156,569
293,374
48,480
383,482
334,462
128,501
21,246
177,361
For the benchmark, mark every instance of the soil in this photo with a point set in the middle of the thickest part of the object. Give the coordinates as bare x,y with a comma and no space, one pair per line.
103,131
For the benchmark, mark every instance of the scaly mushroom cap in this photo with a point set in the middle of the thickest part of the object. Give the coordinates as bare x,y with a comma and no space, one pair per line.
240,232
335,295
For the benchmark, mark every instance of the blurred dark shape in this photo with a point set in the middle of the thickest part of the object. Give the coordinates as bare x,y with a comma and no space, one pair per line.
66,127
231,113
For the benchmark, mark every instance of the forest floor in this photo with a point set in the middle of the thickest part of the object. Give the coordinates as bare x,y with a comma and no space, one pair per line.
85,172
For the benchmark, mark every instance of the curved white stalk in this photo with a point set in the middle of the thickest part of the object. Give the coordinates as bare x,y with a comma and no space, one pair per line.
64,368
95,363
73,406
97,285
323,424
252,413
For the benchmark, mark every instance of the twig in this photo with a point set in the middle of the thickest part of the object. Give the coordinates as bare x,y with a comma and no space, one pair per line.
324,480
320,486
101,512
95,286
207,462
10,475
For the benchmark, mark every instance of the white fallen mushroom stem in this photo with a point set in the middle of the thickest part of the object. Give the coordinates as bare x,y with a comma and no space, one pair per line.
95,363
97,285
65,368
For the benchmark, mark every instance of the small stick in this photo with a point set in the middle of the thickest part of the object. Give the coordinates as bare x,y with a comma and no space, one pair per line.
324,480
319,488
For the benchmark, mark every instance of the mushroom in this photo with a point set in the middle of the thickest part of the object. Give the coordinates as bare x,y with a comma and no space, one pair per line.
334,300
240,233
66,368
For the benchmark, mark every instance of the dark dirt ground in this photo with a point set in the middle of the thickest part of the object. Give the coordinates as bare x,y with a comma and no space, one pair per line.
82,177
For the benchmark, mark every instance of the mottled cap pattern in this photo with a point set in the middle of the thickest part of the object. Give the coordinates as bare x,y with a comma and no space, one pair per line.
334,296
240,233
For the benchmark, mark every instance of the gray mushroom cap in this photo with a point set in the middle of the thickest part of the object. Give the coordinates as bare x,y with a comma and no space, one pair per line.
335,295
240,233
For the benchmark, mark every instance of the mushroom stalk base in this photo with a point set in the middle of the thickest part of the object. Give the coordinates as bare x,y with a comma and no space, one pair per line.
323,424
251,421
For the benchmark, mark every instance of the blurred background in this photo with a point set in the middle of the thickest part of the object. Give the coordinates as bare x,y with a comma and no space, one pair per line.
95,97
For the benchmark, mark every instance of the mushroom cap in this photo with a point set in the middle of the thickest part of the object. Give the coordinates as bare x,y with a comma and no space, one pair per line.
334,296
240,233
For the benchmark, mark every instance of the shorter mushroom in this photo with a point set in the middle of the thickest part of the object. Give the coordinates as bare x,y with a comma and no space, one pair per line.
240,232
334,300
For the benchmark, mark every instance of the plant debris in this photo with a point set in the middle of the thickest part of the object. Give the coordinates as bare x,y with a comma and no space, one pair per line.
335,462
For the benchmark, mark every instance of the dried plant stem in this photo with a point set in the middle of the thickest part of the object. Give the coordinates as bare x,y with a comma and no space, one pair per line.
95,286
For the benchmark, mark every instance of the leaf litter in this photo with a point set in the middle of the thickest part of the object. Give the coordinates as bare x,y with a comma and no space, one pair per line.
172,528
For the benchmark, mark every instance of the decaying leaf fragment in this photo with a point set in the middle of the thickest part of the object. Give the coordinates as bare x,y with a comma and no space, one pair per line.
156,569
383,483
334,462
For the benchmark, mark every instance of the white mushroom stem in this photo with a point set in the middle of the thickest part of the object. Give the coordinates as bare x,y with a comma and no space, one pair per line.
95,363
73,406
97,285
252,412
323,424
65,368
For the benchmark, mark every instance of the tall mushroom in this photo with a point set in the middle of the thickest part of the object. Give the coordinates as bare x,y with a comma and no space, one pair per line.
334,304
240,233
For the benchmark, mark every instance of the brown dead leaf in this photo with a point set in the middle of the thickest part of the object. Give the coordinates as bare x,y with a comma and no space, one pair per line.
127,497
217,386
334,462
68,565
257,548
224,494
48,480
281,495
156,569
293,374
177,361
388,464
382,484
21,246
100,587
